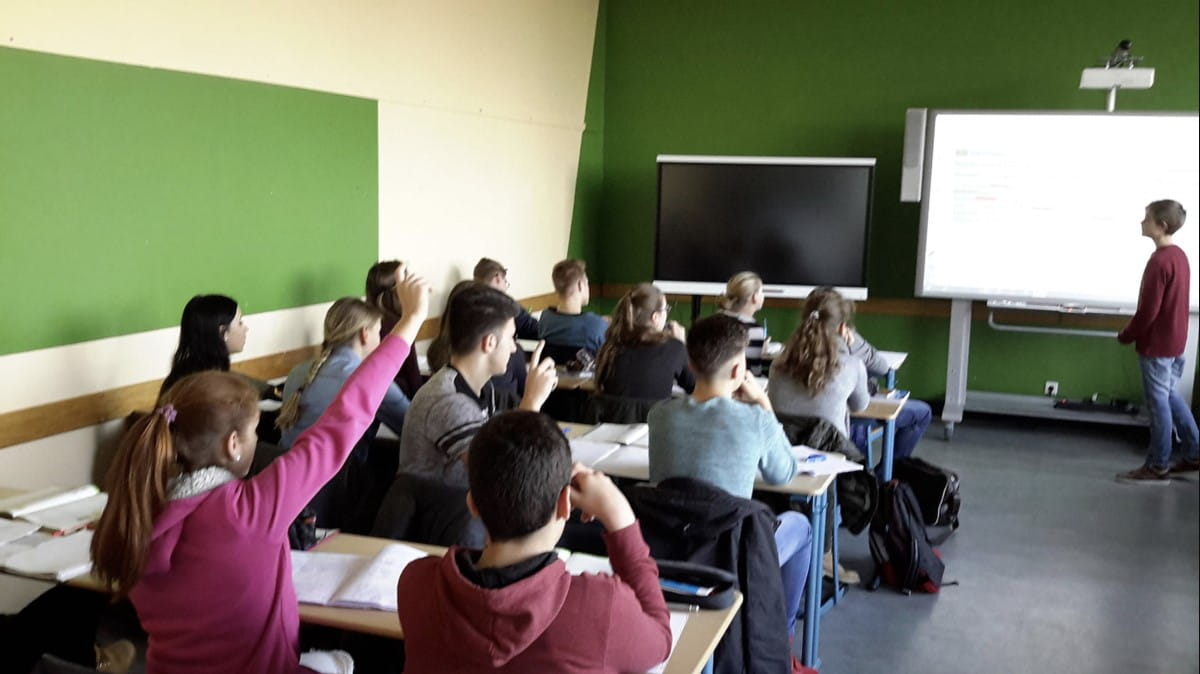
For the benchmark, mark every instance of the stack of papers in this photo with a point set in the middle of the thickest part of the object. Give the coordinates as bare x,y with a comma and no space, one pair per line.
51,558
814,462
57,509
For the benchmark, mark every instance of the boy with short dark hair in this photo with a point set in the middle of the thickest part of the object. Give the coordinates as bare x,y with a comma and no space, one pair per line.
512,607
491,273
566,326
725,433
1159,332
448,410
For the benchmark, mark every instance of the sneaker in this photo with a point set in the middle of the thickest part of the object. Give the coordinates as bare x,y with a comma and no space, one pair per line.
115,657
845,575
1144,475
1185,466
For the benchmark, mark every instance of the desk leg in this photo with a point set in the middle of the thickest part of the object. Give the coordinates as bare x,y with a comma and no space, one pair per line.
836,520
812,590
889,447
890,381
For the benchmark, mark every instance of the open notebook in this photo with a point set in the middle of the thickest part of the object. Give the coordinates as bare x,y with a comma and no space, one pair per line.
57,509
351,581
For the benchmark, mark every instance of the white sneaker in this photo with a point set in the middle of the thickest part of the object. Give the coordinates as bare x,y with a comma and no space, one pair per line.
844,575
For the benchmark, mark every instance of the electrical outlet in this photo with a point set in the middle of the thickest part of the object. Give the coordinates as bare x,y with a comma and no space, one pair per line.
1051,388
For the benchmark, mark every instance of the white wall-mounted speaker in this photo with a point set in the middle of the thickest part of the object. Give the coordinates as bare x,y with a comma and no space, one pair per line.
914,154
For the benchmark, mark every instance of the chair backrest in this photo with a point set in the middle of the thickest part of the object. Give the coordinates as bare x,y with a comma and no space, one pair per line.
561,353
819,434
691,520
612,409
421,509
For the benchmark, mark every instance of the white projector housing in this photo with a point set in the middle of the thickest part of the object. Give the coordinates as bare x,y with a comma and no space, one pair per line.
1121,78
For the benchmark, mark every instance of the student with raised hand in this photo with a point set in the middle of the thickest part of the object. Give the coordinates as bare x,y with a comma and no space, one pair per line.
449,409
210,329
491,273
512,607
380,293
643,354
743,298
726,433
351,334
815,375
566,327
201,551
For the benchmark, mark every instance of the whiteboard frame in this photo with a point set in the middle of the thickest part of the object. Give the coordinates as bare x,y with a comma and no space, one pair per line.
1072,303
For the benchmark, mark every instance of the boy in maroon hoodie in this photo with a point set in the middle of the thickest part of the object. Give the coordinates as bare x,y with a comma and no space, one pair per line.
512,607
1159,332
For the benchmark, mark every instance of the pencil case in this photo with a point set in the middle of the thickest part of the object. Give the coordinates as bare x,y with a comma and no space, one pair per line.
697,585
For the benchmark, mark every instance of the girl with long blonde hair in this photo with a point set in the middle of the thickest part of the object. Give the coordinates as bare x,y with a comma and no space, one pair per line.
351,334
743,298
816,375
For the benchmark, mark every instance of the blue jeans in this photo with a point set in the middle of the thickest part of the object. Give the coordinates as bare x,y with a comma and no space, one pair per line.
1167,411
793,540
911,423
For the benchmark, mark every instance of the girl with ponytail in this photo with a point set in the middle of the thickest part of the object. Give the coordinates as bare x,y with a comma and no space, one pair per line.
202,552
351,334
816,375
643,353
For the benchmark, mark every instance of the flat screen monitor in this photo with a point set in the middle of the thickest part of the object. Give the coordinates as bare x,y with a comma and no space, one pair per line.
798,222
1045,207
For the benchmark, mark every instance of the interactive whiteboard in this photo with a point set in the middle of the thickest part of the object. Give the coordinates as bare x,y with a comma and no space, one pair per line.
1045,207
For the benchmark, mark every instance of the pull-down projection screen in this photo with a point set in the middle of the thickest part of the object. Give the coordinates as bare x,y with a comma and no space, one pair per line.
1045,207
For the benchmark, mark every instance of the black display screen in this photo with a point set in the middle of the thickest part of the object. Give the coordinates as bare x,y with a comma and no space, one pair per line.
803,224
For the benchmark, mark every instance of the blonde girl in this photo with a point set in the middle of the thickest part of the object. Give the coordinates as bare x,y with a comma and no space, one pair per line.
816,375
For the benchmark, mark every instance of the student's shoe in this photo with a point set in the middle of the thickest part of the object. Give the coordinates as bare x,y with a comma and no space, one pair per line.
1144,475
1185,466
798,668
845,575
115,657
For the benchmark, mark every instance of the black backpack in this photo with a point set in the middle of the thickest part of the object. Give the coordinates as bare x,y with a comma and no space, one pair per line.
936,490
904,557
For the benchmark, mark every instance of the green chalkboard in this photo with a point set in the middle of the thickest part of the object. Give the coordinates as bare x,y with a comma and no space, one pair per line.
126,190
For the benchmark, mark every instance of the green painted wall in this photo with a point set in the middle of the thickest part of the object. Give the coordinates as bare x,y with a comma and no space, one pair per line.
587,216
806,78
124,191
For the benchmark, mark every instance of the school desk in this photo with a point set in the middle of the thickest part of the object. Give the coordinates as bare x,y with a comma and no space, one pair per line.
700,635
633,462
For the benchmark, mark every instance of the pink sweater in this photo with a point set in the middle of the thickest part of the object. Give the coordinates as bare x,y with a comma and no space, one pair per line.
217,591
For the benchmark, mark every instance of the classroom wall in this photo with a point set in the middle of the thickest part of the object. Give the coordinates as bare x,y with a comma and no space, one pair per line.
834,79
464,120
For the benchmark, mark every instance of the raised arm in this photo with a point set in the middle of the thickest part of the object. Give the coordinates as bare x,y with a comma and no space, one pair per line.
639,632
777,463
273,498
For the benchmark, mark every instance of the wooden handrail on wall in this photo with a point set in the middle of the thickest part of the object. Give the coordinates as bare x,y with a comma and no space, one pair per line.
60,416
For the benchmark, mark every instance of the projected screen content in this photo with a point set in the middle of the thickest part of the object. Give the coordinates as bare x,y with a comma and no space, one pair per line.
1046,207
803,223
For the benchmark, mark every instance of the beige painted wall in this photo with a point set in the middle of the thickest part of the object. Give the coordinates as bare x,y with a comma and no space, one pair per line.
480,118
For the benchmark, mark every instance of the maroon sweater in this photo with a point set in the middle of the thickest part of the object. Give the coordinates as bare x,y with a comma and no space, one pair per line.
1159,327
548,622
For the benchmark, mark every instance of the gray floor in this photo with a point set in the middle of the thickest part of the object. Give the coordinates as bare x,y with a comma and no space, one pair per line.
1060,568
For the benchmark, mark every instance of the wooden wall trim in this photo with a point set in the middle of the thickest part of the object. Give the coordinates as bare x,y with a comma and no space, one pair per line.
41,421
921,307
